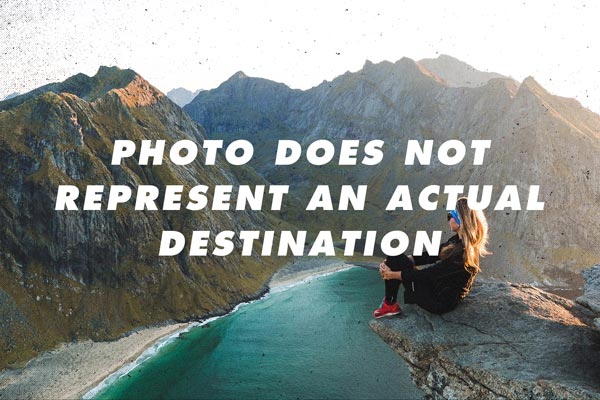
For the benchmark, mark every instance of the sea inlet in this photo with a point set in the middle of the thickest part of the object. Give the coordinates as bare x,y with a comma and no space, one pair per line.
308,341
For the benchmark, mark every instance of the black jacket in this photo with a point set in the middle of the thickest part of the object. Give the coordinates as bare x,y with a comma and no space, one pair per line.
442,286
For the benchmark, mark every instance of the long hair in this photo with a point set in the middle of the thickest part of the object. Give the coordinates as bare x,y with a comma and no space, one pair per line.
473,232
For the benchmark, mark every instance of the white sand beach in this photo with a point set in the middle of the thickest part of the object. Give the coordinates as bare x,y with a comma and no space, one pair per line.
73,369
303,268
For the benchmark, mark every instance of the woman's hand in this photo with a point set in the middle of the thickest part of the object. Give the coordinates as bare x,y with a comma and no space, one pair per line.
381,267
386,273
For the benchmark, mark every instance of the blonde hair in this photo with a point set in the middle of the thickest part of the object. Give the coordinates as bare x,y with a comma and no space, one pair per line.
473,231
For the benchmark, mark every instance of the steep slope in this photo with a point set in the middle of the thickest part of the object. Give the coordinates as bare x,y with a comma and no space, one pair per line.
537,138
76,274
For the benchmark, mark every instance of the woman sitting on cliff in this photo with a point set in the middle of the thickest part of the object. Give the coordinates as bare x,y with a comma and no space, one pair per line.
442,286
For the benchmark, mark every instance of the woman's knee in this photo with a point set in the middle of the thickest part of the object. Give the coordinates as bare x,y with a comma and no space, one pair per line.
399,263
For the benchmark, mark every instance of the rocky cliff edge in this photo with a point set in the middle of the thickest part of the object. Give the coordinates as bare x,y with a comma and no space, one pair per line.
504,341
591,292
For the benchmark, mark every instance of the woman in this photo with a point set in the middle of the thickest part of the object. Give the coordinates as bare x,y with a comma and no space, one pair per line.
442,286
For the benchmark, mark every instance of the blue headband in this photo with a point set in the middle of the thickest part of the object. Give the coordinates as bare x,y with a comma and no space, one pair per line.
455,216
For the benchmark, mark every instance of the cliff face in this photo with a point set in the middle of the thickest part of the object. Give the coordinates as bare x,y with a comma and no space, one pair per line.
68,275
503,341
537,139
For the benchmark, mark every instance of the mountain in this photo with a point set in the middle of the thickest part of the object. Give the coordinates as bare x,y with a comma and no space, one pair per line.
537,139
457,73
69,275
227,107
182,96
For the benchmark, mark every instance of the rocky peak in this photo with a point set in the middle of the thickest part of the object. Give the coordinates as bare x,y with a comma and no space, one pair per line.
504,84
268,99
138,93
241,81
529,84
182,96
110,78
91,88
540,102
415,69
239,75
106,72
133,90
457,73
236,78
403,73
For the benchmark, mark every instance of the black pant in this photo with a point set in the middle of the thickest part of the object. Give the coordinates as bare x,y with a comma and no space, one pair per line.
422,293
396,263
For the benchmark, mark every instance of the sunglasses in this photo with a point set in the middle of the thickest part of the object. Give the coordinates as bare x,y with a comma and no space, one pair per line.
453,214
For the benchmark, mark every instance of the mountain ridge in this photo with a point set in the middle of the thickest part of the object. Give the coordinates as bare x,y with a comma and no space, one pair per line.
398,101
86,87
70,275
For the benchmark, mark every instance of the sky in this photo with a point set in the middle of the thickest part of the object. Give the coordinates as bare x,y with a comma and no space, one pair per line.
200,44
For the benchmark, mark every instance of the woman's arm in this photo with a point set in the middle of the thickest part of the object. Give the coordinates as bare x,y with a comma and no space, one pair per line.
425,273
443,269
424,259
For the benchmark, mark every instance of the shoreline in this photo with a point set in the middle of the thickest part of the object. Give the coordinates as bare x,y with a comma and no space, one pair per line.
72,369
82,369
143,354
305,268
78,369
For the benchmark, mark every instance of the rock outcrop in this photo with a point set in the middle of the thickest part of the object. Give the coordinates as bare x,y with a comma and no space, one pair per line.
504,341
591,292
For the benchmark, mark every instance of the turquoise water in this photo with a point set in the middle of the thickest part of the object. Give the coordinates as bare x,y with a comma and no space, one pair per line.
311,341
